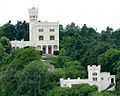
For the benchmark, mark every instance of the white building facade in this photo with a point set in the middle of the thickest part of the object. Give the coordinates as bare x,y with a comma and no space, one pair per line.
44,36
103,80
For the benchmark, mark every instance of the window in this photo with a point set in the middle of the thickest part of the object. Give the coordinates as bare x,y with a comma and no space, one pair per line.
41,38
52,30
49,49
94,74
39,47
40,30
102,78
44,49
33,16
95,79
52,37
55,47
112,80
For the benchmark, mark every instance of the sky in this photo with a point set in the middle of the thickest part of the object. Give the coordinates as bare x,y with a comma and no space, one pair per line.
95,13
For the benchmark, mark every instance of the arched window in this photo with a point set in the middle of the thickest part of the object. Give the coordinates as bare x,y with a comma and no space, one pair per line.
44,49
49,49
55,47
39,47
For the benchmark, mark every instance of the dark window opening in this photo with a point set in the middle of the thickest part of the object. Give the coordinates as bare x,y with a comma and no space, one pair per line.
94,74
112,80
40,30
41,38
94,79
52,30
52,37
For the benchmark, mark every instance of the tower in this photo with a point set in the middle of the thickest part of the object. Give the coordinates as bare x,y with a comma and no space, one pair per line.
94,73
44,36
33,17
33,14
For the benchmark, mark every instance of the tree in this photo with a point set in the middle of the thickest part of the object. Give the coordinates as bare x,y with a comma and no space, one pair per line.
101,94
22,30
2,52
2,32
95,49
9,30
17,62
73,69
115,36
59,62
109,59
81,90
58,92
62,52
6,44
106,35
33,80
71,29
117,67
61,32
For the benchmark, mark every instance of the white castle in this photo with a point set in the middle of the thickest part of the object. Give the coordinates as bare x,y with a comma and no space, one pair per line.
44,36
103,80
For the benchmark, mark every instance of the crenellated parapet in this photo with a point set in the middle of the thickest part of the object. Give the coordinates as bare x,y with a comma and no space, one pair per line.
94,67
103,80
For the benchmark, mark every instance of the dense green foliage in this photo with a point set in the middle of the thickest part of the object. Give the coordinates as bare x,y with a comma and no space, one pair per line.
23,72
15,32
82,90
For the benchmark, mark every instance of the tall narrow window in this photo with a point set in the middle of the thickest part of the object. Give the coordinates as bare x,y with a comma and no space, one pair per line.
49,49
52,37
52,30
95,79
44,49
41,38
102,78
40,30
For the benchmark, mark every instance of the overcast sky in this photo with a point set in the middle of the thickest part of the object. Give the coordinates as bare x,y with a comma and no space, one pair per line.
95,13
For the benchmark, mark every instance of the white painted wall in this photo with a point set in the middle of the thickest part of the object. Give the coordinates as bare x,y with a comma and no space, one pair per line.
34,33
102,84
